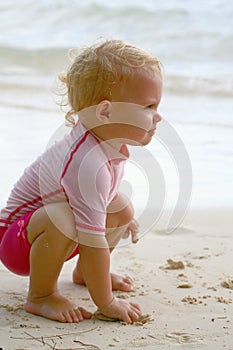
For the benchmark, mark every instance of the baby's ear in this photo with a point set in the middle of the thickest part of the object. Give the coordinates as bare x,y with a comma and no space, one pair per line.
103,111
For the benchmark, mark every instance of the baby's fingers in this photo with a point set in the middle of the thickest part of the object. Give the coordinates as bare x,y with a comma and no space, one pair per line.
134,237
134,312
134,315
136,308
134,225
126,234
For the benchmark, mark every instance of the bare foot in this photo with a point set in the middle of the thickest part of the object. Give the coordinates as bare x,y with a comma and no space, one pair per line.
122,283
58,308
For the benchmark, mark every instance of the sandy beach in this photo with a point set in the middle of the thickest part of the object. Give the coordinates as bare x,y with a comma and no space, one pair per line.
183,281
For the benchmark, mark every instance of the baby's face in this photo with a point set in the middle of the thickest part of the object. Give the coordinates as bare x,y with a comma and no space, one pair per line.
136,115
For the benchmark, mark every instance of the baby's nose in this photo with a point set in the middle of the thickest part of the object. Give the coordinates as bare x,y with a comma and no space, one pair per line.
157,118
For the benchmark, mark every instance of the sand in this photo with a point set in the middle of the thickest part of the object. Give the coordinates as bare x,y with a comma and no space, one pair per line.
183,282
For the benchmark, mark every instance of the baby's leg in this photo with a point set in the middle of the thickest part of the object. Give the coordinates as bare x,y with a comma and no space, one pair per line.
50,248
120,213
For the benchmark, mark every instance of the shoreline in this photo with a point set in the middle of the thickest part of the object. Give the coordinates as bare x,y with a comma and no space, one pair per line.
190,307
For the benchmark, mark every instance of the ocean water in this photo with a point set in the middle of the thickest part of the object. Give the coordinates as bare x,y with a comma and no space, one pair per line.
193,40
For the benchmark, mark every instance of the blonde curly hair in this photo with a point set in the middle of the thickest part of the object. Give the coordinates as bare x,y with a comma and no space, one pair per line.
96,68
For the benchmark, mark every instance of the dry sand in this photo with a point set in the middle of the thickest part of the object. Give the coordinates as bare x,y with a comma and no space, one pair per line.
183,281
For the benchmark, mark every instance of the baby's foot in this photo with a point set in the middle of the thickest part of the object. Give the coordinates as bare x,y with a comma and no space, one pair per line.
56,307
124,284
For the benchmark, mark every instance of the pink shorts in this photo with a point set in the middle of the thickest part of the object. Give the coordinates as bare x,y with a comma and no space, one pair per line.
15,247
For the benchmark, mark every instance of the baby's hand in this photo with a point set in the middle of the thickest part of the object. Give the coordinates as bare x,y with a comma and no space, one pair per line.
133,229
123,310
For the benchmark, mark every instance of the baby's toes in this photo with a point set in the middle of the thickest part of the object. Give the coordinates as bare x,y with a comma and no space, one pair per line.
67,316
128,280
126,286
76,315
85,314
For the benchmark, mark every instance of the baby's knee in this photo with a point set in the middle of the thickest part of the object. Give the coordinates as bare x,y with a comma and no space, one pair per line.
120,211
61,218
56,217
127,214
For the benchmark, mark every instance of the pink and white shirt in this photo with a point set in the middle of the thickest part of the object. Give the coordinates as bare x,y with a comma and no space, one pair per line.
80,169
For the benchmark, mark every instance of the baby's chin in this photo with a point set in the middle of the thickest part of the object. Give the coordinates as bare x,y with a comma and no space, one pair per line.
145,141
137,143
140,141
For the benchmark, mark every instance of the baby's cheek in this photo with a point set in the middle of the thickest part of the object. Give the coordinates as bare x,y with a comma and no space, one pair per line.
140,119
132,115
144,120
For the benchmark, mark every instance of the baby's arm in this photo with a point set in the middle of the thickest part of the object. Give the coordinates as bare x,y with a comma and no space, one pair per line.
95,264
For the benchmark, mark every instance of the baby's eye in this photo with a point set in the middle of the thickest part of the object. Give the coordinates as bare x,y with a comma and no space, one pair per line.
153,106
